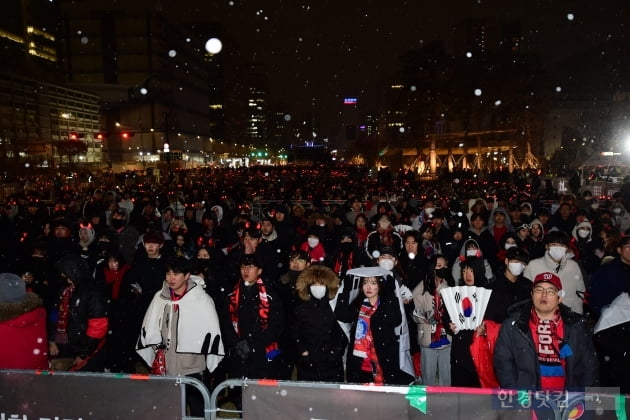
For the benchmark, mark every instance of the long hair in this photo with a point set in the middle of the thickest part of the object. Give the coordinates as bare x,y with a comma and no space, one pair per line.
429,280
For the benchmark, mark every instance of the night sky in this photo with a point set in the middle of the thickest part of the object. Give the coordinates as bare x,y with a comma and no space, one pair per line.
331,49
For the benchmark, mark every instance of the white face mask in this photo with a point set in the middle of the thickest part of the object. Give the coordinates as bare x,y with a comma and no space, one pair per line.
617,210
386,264
595,206
429,210
318,290
557,252
583,233
313,242
508,246
471,252
516,268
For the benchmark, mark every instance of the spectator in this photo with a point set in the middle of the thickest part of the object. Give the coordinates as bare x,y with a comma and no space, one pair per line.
180,332
252,321
435,343
319,340
80,322
374,315
543,344
611,279
556,261
22,326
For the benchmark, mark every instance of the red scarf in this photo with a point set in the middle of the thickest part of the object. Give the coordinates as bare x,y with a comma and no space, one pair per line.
548,340
271,349
64,313
362,235
343,263
364,342
437,315
115,279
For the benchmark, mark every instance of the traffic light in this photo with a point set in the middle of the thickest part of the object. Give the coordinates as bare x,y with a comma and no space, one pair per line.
100,136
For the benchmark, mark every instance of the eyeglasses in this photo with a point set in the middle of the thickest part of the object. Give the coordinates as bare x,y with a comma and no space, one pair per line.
545,292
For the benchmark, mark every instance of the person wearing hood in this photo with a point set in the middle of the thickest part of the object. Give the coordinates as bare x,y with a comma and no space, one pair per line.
86,246
22,326
79,323
477,205
347,255
499,224
314,246
620,217
480,233
535,242
470,249
126,236
180,333
582,239
317,336
557,261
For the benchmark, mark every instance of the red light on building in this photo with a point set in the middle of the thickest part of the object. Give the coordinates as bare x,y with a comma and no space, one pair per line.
73,136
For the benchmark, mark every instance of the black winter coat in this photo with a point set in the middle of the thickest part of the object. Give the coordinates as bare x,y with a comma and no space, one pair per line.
255,364
315,329
515,360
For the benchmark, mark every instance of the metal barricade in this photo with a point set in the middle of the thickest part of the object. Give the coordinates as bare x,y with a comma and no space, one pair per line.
28,395
270,399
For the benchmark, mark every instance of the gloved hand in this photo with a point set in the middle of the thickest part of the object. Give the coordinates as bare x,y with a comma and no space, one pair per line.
242,350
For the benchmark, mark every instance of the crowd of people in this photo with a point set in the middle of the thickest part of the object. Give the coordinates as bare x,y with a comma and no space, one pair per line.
229,273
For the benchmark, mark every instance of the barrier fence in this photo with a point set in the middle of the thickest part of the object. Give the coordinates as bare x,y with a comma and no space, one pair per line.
40,395
44,395
267,399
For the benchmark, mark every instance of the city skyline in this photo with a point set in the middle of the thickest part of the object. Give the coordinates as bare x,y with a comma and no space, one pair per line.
331,50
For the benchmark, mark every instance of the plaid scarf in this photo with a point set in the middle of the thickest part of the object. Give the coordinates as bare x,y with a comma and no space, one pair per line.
61,337
364,342
272,350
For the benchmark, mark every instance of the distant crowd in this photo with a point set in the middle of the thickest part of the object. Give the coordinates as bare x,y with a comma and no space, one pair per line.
271,253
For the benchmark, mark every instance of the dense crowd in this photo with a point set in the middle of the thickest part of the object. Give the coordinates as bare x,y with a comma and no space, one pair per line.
319,274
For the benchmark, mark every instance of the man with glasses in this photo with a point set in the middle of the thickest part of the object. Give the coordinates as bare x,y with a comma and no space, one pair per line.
543,345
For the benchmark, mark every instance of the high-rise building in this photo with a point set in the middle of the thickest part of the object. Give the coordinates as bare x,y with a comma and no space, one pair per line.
28,38
153,77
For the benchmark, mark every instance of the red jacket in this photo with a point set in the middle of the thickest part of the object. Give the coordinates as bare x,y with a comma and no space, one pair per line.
23,334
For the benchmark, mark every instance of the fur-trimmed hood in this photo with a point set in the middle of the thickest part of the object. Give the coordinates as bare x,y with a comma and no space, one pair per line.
9,311
320,273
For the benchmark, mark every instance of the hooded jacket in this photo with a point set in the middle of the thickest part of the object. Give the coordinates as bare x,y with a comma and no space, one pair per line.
456,271
536,249
314,328
23,333
88,309
515,360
